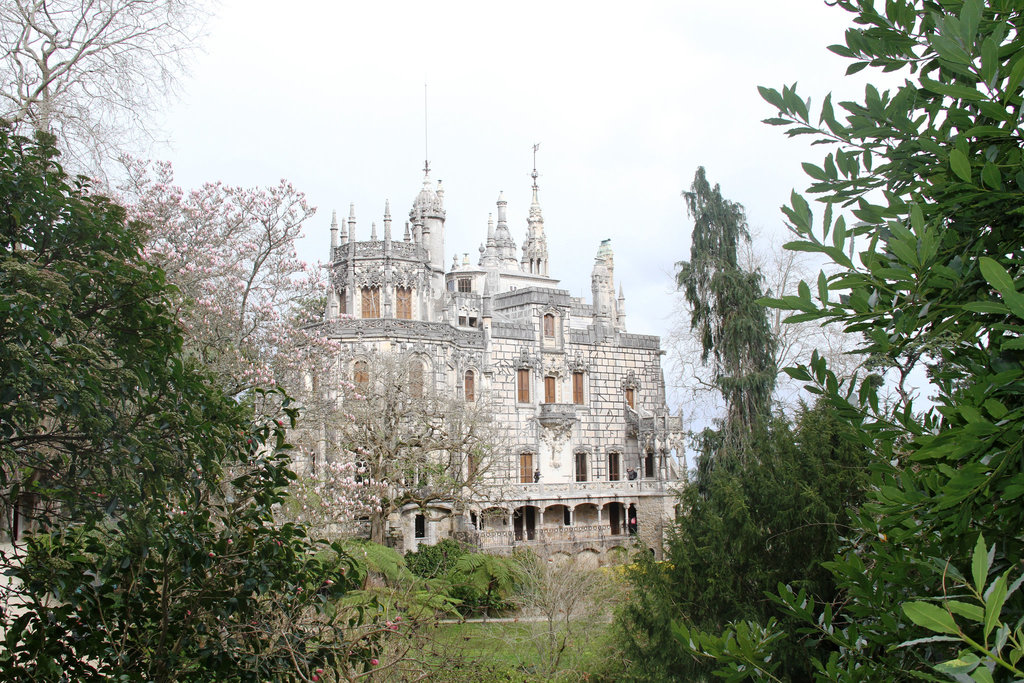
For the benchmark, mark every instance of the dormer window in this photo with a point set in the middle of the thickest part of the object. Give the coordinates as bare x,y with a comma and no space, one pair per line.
465,284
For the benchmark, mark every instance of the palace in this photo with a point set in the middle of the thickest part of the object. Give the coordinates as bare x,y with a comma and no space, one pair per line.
590,465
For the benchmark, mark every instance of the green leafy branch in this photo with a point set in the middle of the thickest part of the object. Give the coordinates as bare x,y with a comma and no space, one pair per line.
999,645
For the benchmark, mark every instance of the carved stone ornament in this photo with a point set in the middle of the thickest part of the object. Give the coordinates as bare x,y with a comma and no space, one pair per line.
630,381
577,363
370,276
528,360
405,275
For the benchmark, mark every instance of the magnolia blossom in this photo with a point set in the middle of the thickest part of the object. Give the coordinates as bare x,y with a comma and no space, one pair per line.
244,300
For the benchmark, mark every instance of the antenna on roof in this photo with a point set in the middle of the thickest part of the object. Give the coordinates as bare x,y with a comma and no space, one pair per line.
534,174
426,148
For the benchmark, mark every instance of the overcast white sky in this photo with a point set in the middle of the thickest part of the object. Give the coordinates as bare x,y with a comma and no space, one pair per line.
626,101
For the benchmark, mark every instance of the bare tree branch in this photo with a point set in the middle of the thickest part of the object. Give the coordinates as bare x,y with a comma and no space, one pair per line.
92,72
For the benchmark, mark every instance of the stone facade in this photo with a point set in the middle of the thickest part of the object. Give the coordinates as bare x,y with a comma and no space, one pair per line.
590,462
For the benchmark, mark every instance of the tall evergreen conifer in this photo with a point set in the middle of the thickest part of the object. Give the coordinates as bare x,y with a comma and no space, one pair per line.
734,331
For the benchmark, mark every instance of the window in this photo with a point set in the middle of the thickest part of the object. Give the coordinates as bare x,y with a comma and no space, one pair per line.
549,389
416,378
360,374
523,385
342,305
613,466
526,468
403,303
581,466
421,526
371,302
649,465
577,388
469,388
465,284
566,516
631,398
549,325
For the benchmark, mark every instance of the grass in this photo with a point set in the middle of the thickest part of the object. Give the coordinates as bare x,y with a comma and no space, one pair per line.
513,652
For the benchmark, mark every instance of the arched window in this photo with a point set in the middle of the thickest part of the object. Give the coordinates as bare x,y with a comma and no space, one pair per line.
371,302
416,378
549,325
649,465
342,304
360,374
403,303
469,388
581,466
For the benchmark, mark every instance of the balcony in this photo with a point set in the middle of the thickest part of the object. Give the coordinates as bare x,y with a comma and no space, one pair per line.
557,414
586,489
599,535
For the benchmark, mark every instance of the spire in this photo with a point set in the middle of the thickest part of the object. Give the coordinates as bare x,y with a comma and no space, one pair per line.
488,250
535,248
352,222
505,246
373,231
620,311
334,231
534,174
387,220
408,236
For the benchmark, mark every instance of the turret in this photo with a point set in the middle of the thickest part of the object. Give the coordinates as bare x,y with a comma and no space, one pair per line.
602,284
334,232
427,216
505,247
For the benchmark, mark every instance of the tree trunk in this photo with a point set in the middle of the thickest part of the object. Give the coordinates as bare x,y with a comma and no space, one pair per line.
378,527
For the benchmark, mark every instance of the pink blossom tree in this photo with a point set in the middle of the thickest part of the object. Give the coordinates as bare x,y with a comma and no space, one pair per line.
245,300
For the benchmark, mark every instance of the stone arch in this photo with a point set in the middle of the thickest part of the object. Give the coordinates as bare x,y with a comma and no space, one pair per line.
493,518
554,516
588,558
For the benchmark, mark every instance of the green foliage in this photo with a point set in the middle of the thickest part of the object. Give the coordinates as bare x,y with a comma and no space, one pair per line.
490,576
980,627
770,520
933,174
733,329
431,561
154,554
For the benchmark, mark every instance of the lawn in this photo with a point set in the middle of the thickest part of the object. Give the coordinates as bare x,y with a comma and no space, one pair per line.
519,652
